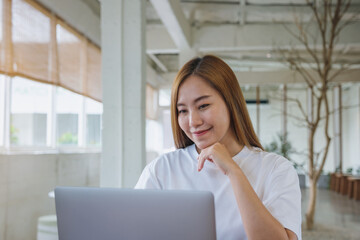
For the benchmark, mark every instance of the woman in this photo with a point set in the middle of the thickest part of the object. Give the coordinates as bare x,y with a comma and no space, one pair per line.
257,194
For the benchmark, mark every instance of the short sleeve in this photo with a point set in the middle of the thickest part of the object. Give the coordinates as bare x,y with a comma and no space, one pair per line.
283,197
148,179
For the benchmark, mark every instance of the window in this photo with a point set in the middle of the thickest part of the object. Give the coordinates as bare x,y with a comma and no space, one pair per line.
168,140
31,40
267,115
93,112
30,104
2,109
68,109
297,132
1,27
271,114
77,123
69,56
151,102
164,97
44,56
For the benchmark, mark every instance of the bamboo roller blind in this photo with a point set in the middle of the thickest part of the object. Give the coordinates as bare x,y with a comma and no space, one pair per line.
37,45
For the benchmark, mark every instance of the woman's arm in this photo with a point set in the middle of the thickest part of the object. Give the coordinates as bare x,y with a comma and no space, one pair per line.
258,221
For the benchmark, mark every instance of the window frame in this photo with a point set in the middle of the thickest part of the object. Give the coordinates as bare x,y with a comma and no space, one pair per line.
51,146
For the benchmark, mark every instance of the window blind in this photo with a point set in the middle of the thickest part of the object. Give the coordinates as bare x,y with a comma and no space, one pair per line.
37,45
31,41
69,56
93,86
1,38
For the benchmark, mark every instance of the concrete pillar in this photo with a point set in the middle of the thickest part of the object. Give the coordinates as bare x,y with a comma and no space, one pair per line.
310,102
258,111
123,78
337,127
284,115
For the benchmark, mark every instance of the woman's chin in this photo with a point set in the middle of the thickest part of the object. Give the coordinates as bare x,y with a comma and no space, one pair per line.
202,145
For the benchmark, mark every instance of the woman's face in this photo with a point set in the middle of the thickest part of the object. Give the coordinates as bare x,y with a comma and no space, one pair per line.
203,114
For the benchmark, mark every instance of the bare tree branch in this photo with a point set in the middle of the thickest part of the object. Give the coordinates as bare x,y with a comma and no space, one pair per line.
303,39
329,19
342,107
328,139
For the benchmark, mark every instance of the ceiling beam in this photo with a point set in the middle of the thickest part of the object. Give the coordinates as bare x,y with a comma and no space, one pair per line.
273,77
158,62
263,36
228,38
172,16
243,12
88,22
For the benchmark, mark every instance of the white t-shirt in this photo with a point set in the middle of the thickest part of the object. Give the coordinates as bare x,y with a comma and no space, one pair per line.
273,178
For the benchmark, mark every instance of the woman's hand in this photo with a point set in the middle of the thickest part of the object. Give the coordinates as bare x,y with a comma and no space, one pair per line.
219,155
261,225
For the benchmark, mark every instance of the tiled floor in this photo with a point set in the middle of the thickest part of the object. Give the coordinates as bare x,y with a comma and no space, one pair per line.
336,216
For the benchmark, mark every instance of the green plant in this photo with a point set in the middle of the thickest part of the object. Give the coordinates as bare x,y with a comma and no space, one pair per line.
282,146
68,138
349,170
14,139
358,171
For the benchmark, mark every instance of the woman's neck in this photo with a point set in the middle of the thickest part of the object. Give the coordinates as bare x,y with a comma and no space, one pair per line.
234,148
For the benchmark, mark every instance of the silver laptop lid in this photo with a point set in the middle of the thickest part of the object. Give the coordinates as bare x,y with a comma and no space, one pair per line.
112,213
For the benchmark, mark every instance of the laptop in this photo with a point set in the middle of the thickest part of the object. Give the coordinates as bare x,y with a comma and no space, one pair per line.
114,213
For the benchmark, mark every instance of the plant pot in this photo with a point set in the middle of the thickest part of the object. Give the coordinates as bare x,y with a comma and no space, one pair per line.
302,180
323,182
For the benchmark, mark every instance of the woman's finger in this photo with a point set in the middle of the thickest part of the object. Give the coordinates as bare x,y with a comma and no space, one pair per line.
201,162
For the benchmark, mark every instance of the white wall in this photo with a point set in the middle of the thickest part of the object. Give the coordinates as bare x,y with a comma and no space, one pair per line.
26,180
298,133
270,124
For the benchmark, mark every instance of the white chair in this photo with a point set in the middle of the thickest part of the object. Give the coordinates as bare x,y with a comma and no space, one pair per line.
47,228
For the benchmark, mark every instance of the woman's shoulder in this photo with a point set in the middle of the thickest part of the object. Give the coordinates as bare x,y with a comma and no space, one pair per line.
271,167
177,156
186,152
270,159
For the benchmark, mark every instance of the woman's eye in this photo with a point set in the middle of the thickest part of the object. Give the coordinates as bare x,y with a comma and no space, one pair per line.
204,106
181,111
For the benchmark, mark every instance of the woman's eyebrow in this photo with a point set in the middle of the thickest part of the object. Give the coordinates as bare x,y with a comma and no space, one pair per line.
195,101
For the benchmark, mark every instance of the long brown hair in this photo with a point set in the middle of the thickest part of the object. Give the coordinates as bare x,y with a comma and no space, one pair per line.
220,76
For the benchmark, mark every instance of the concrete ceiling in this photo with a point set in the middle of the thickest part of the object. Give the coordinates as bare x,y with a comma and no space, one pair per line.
242,32
94,5
245,33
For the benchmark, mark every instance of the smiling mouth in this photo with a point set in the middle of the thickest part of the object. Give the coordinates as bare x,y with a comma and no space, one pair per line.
200,133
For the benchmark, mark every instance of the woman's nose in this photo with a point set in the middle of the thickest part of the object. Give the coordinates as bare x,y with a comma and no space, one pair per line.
195,119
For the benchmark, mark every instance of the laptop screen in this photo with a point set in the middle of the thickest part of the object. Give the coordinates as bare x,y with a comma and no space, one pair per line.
113,213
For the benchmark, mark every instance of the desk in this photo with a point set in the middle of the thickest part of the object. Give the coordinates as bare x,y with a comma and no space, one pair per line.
353,190
337,183
333,182
344,182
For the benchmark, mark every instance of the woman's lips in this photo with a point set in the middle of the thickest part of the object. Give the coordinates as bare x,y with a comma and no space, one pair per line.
200,133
